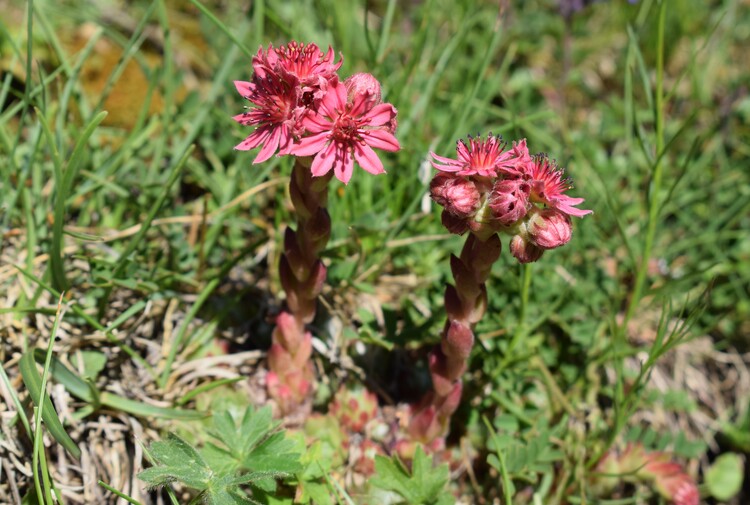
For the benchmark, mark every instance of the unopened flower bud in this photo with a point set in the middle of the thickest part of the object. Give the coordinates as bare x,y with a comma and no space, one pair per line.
457,195
454,224
509,200
363,84
549,228
523,250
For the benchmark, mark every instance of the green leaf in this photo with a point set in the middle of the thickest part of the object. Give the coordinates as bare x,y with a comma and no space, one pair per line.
425,485
254,445
92,362
724,478
312,487
82,390
175,459
33,382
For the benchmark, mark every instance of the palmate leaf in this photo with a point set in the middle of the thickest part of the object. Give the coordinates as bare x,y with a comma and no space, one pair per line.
254,445
176,460
252,453
424,486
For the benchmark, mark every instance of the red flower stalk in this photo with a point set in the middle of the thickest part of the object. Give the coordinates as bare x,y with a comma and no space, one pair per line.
465,304
302,276
300,107
487,189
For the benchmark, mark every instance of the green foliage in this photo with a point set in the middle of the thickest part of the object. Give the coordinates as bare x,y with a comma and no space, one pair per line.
676,442
424,485
525,457
312,483
251,452
738,432
724,478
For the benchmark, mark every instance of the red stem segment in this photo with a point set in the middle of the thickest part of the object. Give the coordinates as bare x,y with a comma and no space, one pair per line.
302,276
465,304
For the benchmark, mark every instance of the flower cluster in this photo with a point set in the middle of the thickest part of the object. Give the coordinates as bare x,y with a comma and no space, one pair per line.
302,108
490,188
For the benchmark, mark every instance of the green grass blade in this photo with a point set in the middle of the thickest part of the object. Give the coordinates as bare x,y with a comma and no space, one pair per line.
223,28
145,226
205,388
63,185
78,310
81,389
33,381
119,493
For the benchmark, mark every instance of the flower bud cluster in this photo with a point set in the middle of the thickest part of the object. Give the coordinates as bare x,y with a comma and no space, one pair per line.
490,189
487,189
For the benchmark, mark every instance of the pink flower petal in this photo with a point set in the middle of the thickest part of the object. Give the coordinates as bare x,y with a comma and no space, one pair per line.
244,119
308,146
315,123
380,114
359,105
244,88
572,211
253,140
344,165
381,139
368,160
332,102
269,147
340,94
569,200
323,162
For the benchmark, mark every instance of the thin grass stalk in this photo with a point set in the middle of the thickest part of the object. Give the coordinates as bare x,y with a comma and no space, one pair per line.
653,216
39,413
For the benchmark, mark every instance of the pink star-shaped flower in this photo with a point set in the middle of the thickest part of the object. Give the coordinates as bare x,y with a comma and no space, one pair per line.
342,132
286,83
548,186
483,158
